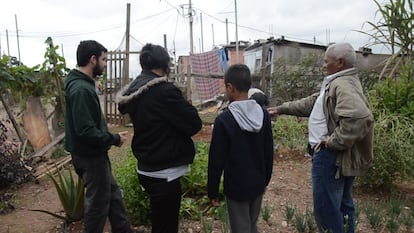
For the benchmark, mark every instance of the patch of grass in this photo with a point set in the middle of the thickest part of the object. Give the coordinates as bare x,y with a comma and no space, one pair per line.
300,222
374,216
266,212
310,220
290,210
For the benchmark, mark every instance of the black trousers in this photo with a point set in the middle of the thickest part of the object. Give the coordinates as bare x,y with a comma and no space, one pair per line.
103,197
165,199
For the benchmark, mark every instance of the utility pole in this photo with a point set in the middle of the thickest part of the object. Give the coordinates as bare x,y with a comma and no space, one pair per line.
202,37
18,44
165,42
175,60
127,36
237,33
212,32
7,39
190,14
227,31
61,47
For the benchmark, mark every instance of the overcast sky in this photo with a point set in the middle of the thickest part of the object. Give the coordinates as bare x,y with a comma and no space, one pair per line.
69,22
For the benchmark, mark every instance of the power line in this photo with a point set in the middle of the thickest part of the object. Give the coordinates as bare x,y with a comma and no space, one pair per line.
74,33
254,29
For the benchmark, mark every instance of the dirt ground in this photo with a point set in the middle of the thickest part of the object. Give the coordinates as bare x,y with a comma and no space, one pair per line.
291,184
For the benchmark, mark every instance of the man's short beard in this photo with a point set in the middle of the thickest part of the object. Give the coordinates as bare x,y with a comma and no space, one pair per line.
97,70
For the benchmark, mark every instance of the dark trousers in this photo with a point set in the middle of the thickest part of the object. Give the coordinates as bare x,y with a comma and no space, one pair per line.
103,197
165,199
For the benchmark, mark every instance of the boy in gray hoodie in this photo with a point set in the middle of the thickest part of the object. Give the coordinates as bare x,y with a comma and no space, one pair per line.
241,148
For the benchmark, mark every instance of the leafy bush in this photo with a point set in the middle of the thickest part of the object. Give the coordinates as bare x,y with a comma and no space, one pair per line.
291,132
135,198
395,95
195,181
194,185
392,104
393,152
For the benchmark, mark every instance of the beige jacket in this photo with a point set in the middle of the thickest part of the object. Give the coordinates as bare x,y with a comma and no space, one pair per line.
350,122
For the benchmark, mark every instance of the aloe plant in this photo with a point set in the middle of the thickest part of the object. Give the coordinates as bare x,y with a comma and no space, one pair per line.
71,195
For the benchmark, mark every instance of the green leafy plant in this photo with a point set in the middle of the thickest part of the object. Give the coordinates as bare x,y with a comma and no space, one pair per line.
71,195
290,210
266,212
395,207
189,208
395,95
393,146
136,199
394,29
373,214
310,220
193,185
207,225
408,221
291,132
392,224
300,222
195,181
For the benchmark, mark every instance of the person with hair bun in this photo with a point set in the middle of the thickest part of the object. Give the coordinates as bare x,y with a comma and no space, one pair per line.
163,125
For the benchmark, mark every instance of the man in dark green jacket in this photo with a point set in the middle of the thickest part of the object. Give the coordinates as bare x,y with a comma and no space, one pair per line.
88,141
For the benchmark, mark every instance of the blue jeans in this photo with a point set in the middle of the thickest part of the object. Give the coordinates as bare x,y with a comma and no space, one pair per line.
332,198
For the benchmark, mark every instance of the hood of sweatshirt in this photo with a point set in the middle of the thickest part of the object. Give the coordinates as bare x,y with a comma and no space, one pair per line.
248,114
75,75
136,88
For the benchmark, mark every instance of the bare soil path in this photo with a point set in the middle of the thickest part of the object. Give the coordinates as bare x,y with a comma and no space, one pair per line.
291,184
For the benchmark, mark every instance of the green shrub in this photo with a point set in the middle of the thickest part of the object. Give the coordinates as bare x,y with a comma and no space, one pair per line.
135,198
193,183
392,103
290,131
393,152
395,96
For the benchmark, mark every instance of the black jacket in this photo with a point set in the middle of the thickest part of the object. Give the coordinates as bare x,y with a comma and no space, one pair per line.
244,158
163,122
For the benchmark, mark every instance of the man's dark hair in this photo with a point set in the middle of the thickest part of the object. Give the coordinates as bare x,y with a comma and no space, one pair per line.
239,76
86,49
154,57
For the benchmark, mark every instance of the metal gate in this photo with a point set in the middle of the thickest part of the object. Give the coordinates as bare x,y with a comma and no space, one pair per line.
116,77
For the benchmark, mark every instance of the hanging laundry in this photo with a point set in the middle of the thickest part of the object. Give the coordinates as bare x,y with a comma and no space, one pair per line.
208,62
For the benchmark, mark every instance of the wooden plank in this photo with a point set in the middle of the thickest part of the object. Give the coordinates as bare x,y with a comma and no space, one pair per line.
53,167
46,148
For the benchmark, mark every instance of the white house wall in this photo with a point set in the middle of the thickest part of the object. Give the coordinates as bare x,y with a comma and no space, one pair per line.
250,58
